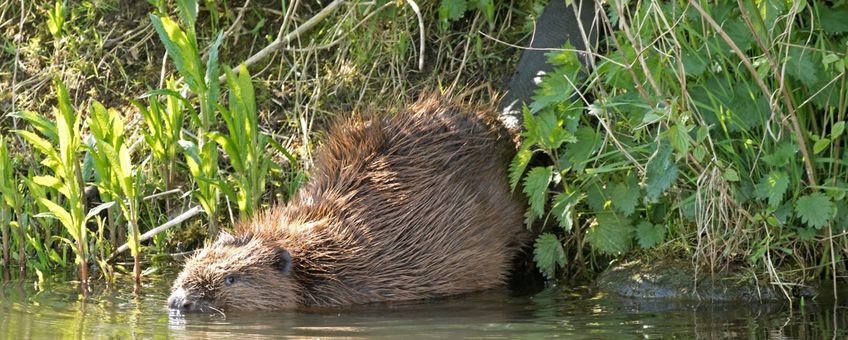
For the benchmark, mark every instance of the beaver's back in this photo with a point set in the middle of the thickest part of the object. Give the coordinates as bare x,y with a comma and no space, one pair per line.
410,206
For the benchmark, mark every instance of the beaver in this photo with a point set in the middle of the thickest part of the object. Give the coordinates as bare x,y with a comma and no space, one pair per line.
399,207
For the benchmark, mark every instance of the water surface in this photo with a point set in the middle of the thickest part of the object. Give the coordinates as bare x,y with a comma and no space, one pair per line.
573,313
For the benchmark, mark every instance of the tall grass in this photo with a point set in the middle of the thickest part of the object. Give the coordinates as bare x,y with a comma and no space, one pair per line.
244,144
117,176
202,78
64,162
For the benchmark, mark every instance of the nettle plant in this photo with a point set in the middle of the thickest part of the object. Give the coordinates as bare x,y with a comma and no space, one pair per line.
715,131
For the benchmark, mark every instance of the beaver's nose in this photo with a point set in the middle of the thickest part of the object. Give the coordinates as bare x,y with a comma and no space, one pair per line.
179,301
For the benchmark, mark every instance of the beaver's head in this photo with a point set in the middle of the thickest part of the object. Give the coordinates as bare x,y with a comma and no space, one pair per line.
235,273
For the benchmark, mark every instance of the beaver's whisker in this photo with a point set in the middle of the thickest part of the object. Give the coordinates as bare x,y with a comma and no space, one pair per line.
218,310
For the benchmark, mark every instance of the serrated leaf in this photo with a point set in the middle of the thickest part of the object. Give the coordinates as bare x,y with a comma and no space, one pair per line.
679,138
625,196
561,208
612,234
661,172
782,155
772,187
802,65
548,254
518,165
536,188
649,235
555,88
596,196
545,129
451,10
814,209
579,152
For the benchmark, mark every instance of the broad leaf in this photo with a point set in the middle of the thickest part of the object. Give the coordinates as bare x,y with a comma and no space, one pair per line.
814,209
661,172
625,196
548,254
612,234
772,187
649,235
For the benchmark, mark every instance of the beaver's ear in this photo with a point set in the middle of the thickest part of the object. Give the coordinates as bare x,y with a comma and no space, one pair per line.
283,261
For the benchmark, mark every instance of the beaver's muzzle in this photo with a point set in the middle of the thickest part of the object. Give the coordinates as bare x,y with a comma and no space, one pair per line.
180,301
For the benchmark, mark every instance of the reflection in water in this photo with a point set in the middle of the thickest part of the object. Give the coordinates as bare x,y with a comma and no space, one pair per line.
59,311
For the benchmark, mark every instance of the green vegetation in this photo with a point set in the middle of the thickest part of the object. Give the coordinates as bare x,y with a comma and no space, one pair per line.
708,130
150,125
705,130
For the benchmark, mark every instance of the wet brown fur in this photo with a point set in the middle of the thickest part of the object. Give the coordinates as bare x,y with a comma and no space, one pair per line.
411,206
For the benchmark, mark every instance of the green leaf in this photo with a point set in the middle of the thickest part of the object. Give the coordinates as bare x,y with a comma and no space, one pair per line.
555,88
187,11
536,188
679,138
40,144
661,172
518,164
834,20
782,155
451,10
579,152
561,207
596,196
44,126
612,234
625,196
211,78
231,149
181,50
803,66
815,209
650,235
545,129
837,130
772,187
821,145
548,254
730,175
693,64
62,215
487,7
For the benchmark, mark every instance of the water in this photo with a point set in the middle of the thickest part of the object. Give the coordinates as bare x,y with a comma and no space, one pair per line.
58,311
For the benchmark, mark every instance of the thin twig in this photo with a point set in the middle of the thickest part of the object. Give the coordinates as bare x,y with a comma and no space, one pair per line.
152,232
285,40
237,22
417,11
554,49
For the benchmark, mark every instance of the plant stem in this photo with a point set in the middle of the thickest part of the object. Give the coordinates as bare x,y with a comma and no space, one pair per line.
5,230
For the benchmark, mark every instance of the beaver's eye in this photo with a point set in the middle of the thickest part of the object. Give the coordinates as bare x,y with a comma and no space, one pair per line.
229,279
